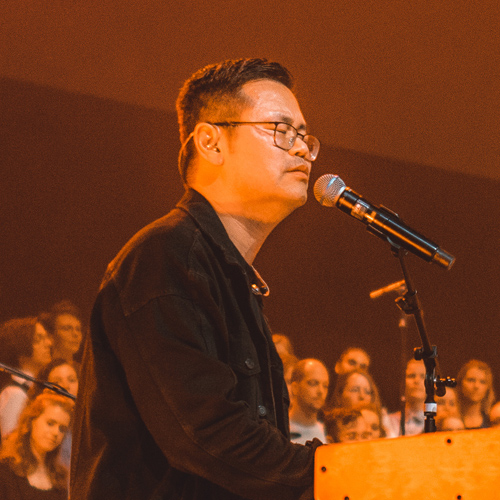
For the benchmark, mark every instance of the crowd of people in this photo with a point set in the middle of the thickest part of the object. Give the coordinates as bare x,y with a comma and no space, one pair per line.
35,422
350,409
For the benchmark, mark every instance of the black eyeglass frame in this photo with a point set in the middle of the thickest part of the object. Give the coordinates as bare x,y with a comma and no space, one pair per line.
316,143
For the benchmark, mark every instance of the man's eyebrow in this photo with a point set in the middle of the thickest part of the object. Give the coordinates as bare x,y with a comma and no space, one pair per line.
286,119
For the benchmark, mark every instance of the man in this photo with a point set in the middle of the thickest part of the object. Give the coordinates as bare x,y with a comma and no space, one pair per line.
181,395
66,327
309,388
353,358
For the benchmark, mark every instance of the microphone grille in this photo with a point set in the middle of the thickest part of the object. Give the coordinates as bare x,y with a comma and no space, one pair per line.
328,188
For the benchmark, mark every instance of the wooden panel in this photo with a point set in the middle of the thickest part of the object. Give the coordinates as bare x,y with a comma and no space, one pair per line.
462,465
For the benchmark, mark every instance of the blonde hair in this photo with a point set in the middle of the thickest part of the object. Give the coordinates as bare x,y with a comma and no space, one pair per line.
16,448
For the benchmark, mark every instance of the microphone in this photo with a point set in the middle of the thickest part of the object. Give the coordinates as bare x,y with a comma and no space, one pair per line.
330,190
397,286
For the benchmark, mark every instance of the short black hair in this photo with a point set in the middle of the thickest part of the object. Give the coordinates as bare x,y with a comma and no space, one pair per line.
214,93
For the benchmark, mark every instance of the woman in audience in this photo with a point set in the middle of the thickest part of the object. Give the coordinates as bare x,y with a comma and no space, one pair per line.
62,373
26,346
449,423
475,394
447,404
414,403
29,468
373,419
355,390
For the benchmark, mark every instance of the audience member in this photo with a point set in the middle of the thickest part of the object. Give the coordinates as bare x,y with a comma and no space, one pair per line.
25,346
353,358
447,404
65,325
309,388
449,423
495,415
288,358
29,467
283,345
475,394
355,389
345,425
373,419
414,405
64,374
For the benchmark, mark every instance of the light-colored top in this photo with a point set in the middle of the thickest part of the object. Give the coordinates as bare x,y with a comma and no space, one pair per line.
414,423
302,433
13,399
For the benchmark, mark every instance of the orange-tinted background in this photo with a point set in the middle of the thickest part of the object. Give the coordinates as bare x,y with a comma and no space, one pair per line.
403,95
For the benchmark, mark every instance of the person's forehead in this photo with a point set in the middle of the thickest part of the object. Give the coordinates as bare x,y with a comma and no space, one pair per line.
315,371
357,379
357,355
415,367
476,372
67,318
273,101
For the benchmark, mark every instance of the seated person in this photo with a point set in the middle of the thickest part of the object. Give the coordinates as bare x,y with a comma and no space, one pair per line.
495,415
25,346
449,423
309,388
29,466
64,374
373,419
353,358
355,389
447,404
345,425
475,394
414,406
65,325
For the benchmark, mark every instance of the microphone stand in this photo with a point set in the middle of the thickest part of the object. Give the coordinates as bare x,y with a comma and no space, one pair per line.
409,303
49,385
399,287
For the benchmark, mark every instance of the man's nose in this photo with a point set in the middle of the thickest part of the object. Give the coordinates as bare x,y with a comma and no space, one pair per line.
300,148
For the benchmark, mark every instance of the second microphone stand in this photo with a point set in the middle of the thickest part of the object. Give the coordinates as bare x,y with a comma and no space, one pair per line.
409,303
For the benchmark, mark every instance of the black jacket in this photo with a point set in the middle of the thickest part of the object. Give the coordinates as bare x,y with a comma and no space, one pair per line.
182,393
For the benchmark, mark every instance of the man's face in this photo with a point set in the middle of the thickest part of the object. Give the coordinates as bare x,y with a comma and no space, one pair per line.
352,360
259,176
310,393
68,333
475,385
415,381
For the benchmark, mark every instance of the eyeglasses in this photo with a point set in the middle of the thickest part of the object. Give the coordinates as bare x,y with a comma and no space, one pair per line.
285,136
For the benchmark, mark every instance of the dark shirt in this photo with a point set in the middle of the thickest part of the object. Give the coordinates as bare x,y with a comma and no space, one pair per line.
182,393
14,487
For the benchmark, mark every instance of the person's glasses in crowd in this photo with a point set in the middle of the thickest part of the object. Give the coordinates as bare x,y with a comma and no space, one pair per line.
285,136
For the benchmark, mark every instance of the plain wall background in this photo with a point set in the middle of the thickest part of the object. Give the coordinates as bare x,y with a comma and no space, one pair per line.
81,174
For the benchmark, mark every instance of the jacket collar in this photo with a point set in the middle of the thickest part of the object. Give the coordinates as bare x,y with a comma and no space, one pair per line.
209,223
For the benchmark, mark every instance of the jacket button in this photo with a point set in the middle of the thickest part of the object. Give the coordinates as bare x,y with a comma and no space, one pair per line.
250,363
262,411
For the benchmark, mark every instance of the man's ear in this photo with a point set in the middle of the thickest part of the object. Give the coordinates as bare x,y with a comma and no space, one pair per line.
206,138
